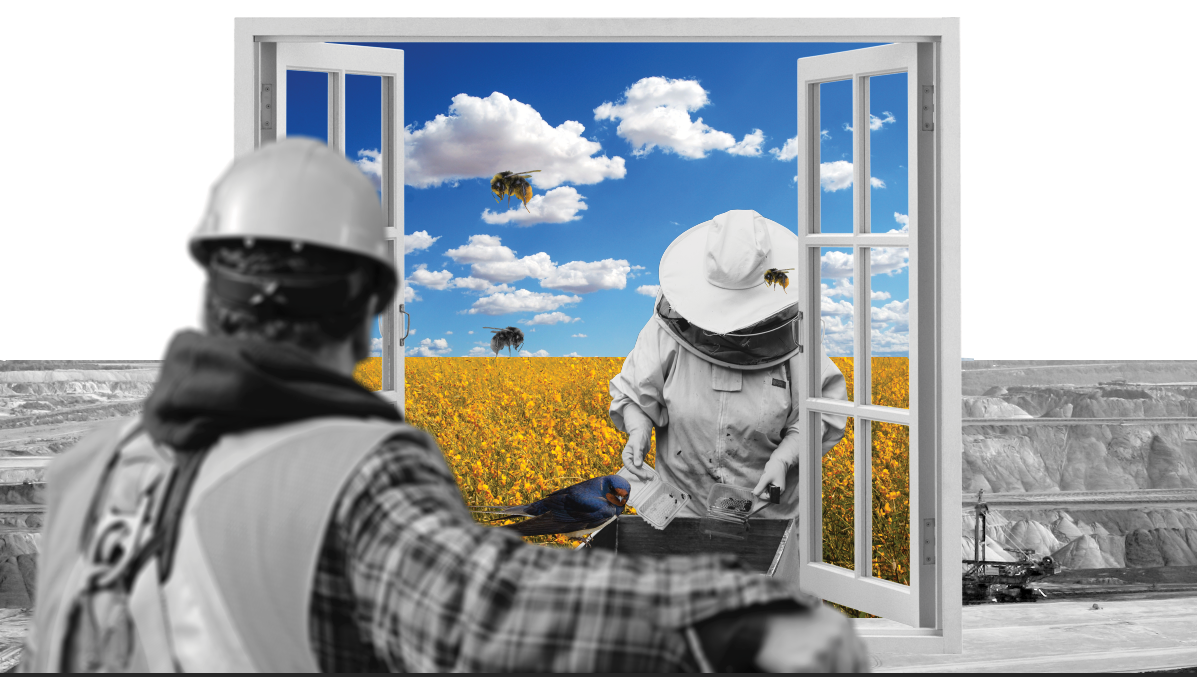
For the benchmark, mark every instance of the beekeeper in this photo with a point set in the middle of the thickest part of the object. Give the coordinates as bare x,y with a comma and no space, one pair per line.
713,369
267,513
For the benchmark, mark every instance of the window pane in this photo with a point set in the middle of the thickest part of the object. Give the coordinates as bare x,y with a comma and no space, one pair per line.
888,155
363,125
889,334
363,145
835,277
835,157
891,501
838,501
307,104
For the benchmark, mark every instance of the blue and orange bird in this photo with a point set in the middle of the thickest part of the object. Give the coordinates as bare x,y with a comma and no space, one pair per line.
574,511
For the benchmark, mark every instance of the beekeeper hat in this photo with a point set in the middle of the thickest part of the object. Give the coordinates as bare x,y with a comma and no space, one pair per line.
714,273
299,191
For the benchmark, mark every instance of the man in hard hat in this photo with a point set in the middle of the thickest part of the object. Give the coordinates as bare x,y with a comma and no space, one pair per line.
266,513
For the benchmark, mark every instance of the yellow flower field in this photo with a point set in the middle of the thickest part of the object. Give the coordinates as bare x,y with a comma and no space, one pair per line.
515,429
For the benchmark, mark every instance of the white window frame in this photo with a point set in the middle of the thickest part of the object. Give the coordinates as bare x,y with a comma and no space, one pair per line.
915,604
938,372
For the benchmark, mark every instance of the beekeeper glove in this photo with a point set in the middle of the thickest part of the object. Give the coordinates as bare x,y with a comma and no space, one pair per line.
784,457
640,434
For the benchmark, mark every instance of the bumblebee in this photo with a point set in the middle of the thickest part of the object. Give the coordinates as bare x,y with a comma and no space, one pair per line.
774,276
509,338
512,184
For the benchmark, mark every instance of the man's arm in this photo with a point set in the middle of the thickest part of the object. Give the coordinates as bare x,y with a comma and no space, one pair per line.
436,591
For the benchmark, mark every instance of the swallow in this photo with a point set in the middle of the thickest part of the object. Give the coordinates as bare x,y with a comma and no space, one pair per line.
574,511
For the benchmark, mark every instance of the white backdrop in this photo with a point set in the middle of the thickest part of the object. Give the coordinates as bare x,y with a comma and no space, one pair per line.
1078,238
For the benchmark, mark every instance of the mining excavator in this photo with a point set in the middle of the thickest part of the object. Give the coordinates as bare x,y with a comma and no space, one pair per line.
992,581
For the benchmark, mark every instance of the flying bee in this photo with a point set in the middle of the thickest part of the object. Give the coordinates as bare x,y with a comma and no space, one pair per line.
509,338
512,184
774,276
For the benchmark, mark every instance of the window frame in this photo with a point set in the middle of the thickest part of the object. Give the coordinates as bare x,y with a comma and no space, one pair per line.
939,424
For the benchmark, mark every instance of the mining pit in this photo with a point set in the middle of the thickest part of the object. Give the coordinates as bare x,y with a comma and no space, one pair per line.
1115,504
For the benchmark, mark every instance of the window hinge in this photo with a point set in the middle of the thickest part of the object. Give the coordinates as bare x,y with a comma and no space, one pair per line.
929,540
267,106
928,108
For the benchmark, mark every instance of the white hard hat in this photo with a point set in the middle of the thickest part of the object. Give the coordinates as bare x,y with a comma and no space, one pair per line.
299,191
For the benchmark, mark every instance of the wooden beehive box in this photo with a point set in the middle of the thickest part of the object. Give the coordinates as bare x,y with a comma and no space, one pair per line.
763,547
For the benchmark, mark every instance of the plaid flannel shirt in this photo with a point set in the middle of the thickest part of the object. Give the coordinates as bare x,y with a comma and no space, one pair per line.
408,582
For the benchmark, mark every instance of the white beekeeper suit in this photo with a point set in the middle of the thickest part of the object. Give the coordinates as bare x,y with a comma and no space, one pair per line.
713,369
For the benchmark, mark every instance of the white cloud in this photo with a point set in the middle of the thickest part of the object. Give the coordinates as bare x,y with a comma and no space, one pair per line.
370,162
583,277
418,240
843,287
578,336
789,150
882,260
648,289
573,354
835,265
448,333
539,353
376,347
655,112
895,313
875,122
829,307
890,340
478,285
556,206
750,145
888,260
550,318
411,332
481,249
521,301
477,351
480,137
410,294
903,219
837,175
425,278
838,336
537,265
492,262
470,332
430,348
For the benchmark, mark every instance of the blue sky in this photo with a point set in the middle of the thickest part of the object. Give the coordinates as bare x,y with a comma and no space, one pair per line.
636,142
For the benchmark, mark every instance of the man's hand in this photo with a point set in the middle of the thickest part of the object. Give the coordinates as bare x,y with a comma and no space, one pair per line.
633,456
819,640
775,473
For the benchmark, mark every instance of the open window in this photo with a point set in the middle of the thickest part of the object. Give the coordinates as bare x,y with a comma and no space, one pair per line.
870,295
895,295
351,98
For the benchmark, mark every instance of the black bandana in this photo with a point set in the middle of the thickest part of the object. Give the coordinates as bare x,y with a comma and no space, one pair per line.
211,385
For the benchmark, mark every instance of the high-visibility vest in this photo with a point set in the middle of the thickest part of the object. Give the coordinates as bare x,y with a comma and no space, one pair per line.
238,594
